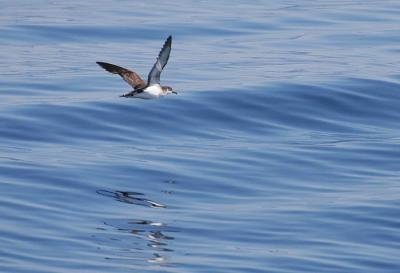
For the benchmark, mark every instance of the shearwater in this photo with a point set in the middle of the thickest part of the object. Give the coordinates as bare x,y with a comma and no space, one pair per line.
152,89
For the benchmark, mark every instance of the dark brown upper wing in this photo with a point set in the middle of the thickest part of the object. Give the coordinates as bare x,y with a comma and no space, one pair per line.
129,76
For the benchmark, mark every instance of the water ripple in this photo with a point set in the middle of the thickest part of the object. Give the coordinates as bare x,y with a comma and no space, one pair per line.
279,154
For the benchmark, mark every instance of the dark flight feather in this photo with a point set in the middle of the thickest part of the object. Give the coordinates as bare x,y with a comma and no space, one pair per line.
132,78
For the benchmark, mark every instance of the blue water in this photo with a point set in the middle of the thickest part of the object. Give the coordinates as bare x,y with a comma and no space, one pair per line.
280,153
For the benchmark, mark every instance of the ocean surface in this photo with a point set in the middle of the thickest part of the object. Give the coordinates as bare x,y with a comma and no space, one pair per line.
281,152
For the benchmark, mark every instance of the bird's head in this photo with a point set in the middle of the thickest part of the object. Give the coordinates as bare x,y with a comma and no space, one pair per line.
168,90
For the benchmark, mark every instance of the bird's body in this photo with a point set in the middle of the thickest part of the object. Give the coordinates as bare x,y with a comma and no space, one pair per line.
151,92
152,89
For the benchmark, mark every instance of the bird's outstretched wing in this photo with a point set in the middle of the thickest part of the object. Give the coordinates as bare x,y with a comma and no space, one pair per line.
132,78
163,56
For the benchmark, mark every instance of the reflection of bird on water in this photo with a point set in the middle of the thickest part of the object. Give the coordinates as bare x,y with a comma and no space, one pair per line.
131,198
149,231
157,259
158,235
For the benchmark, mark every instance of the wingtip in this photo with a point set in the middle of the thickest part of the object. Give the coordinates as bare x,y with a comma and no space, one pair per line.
106,66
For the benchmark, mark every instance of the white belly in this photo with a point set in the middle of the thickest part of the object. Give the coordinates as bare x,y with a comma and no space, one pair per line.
151,92
145,95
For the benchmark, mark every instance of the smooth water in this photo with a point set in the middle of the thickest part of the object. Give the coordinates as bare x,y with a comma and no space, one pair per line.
280,153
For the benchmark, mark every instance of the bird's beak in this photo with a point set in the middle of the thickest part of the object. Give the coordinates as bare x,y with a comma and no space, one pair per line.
175,92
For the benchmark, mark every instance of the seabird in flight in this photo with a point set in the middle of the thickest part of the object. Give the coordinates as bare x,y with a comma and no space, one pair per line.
152,89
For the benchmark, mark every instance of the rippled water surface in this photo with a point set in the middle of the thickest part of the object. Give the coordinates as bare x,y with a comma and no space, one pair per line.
280,153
